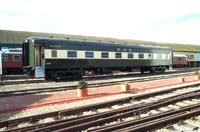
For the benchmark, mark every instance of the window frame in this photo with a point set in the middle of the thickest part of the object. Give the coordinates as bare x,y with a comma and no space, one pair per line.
54,52
89,54
132,55
141,55
4,56
105,56
71,54
118,55
13,56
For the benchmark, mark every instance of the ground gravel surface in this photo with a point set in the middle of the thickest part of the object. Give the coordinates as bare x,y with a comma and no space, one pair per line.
57,107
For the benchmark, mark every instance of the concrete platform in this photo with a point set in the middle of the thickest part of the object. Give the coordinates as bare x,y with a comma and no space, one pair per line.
17,103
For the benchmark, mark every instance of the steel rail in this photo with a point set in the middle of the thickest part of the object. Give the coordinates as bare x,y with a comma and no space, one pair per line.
102,118
157,123
105,119
27,79
58,114
90,85
124,125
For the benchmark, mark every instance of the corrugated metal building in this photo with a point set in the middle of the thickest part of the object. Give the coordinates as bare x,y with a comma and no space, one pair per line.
14,39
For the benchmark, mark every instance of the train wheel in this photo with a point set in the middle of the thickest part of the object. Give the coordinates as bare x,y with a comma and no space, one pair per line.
163,70
152,71
80,77
48,76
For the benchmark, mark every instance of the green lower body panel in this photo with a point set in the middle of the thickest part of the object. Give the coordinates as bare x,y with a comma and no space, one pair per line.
102,63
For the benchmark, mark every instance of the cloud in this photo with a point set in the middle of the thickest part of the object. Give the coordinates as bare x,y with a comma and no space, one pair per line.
187,17
132,19
185,32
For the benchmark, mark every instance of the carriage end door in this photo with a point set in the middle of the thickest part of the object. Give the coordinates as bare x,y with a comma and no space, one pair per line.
39,61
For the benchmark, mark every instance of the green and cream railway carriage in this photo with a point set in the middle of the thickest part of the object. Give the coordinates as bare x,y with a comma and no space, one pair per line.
60,58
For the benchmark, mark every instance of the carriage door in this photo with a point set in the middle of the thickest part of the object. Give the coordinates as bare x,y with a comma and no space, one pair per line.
39,61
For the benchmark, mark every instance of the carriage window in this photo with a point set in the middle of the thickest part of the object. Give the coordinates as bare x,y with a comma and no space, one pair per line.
16,57
104,55
54,53
190,56
130,55
72,54
89,54
4,58
141,55
179,59
118,55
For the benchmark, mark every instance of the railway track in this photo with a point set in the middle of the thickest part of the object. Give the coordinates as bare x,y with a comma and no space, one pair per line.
91,120
23,79
90,85
112,116
154,121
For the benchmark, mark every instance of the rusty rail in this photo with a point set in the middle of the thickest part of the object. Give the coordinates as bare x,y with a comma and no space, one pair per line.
56,114
165,120
90,85
86,122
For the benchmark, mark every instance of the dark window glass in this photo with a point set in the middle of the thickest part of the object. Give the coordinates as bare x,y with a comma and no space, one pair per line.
4,58
89,54
141,55
16,57
118,55
104,55
53,53
130,55
190,56
72,54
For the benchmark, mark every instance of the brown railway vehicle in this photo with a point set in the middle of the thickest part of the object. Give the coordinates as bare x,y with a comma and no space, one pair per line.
179,60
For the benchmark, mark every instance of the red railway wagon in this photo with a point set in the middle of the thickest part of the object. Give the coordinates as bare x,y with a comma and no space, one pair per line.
12,61
179,60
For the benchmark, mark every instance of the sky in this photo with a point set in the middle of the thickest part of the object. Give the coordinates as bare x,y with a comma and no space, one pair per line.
174,21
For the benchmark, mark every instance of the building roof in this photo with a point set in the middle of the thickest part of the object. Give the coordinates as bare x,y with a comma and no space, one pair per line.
17,37
40,40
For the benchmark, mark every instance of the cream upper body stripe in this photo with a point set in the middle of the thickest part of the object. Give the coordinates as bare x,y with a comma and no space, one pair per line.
62,54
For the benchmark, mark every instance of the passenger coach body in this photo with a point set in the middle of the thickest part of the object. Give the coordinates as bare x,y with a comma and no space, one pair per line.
12,60
64,57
